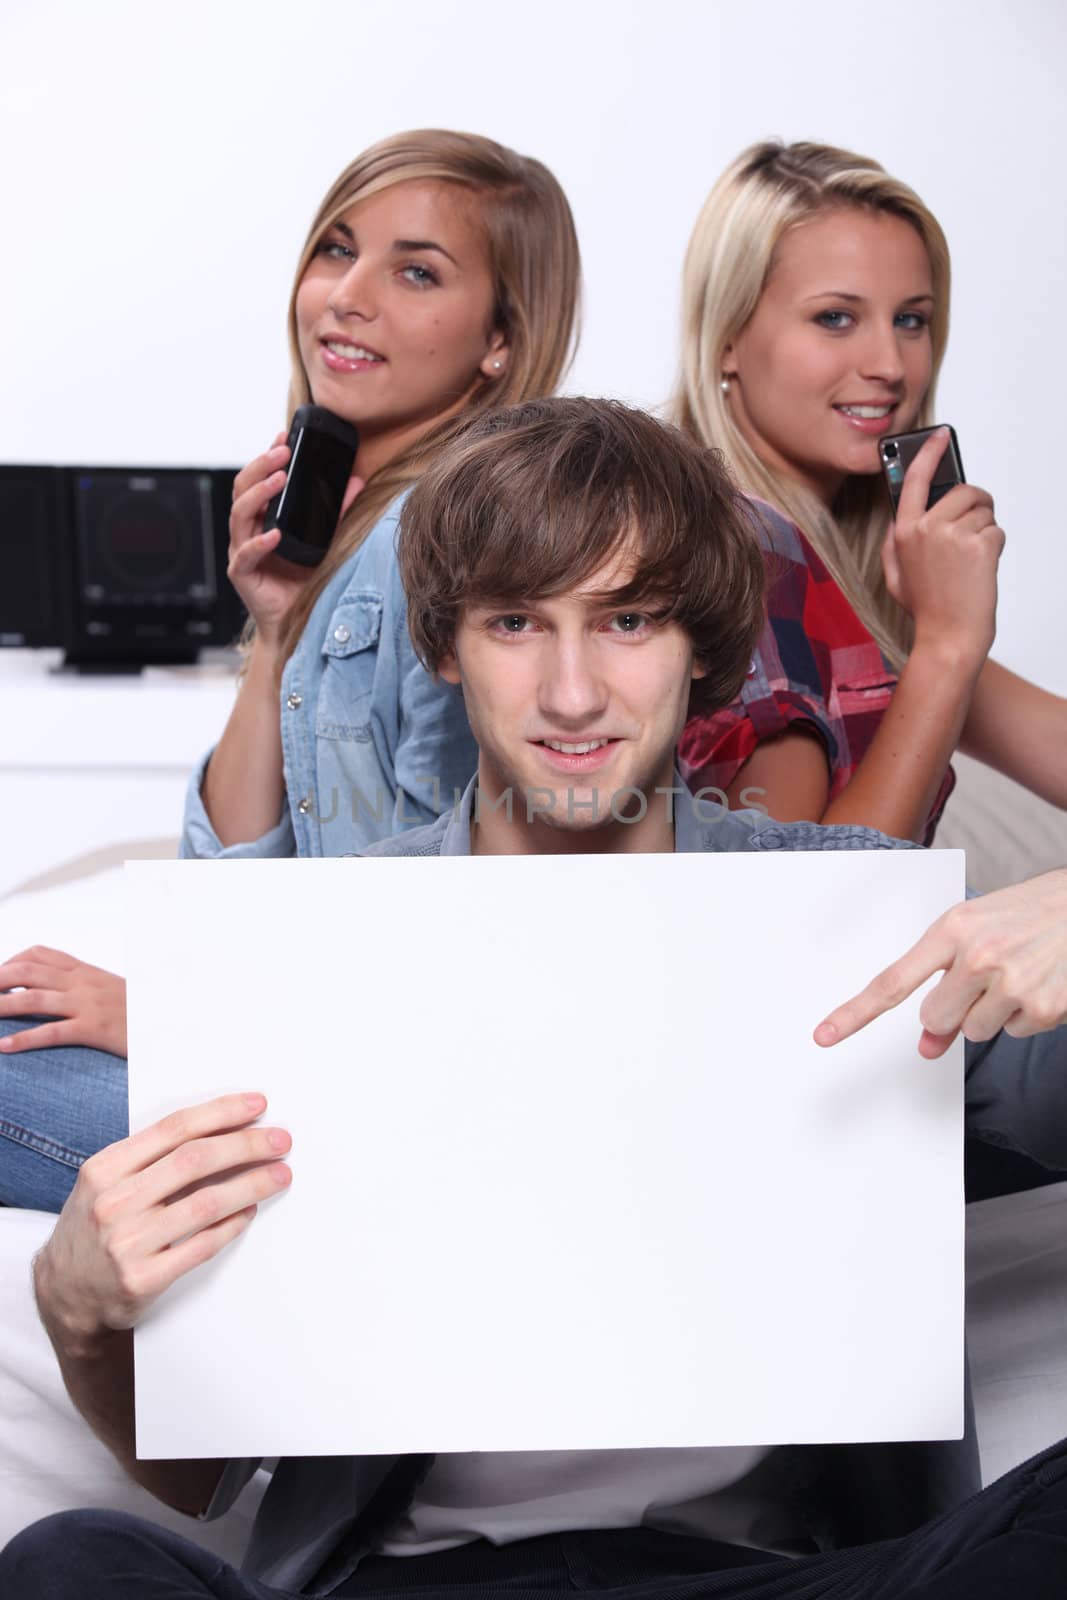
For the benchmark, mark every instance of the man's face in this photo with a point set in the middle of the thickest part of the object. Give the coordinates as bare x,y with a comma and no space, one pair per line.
574,704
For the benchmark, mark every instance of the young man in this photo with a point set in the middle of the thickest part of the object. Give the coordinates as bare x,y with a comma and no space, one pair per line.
583,572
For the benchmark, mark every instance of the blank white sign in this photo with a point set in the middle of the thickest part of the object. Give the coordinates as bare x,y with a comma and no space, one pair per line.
569,1171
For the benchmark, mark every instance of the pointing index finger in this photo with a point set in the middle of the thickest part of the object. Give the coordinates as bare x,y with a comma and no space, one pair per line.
893,984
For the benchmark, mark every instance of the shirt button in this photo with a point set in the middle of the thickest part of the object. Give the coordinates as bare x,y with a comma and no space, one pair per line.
342,634
295,701
304,806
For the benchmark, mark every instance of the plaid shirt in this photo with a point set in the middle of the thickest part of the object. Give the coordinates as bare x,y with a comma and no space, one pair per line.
816,665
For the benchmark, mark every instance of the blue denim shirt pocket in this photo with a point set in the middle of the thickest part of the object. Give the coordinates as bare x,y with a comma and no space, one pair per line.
349,665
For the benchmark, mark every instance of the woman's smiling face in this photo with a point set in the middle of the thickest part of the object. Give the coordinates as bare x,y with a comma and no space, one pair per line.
837,353
394,314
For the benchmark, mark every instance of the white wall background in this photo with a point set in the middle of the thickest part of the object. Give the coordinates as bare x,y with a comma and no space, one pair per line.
161,165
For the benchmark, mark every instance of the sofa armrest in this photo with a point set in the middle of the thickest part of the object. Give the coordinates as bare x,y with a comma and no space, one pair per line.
49,1458
1008,833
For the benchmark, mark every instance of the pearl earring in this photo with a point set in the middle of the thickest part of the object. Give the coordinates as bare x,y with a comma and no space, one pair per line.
724,384
497,365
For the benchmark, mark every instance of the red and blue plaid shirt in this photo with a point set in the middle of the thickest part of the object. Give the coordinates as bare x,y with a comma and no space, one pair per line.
816,664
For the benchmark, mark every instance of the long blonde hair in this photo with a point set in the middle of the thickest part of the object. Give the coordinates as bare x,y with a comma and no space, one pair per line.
535,267
769,188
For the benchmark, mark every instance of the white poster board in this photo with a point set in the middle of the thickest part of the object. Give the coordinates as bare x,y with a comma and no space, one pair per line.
569,1171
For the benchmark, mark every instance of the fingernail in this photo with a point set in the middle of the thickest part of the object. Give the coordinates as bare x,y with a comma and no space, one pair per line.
5,1043
825,1033
278,1139
277,449
257,1101
281,1174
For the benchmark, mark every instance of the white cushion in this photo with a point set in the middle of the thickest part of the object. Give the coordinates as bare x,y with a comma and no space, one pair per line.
1007,832
49,1458
1017,1323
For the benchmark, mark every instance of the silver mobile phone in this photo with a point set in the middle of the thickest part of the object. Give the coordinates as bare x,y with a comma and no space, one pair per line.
899,451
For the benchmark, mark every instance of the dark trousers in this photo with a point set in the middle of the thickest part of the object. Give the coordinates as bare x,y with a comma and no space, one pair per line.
1007,1543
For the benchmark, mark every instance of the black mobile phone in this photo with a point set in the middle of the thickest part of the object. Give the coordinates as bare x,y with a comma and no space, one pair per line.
899,451
308,508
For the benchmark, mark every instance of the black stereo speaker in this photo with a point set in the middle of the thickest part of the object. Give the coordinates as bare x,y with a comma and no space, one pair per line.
33,554
121,566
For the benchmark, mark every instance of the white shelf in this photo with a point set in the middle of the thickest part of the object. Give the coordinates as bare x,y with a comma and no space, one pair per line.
164,718
95,764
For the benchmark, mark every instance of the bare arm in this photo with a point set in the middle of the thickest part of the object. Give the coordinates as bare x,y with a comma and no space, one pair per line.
98,1373
788,776
940,565
897,781
1020,730
130,1229
244,786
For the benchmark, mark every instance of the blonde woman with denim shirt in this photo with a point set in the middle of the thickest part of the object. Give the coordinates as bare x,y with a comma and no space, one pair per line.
439,279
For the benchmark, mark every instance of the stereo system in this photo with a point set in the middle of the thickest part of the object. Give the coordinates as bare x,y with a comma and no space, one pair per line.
123,567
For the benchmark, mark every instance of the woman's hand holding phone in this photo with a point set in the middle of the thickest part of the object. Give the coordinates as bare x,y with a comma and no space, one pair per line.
267,584
244,783
940,563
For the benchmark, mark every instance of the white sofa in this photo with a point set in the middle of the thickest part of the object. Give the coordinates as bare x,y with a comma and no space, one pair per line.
49,1459
1016,1250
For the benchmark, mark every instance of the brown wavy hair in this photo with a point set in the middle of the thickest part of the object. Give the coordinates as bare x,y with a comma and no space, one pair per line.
535,266
533,500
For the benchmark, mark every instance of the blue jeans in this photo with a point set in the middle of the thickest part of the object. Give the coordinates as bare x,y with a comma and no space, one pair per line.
57,1107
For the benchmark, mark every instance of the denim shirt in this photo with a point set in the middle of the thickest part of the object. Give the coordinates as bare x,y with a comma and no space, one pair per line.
372,744
699,825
